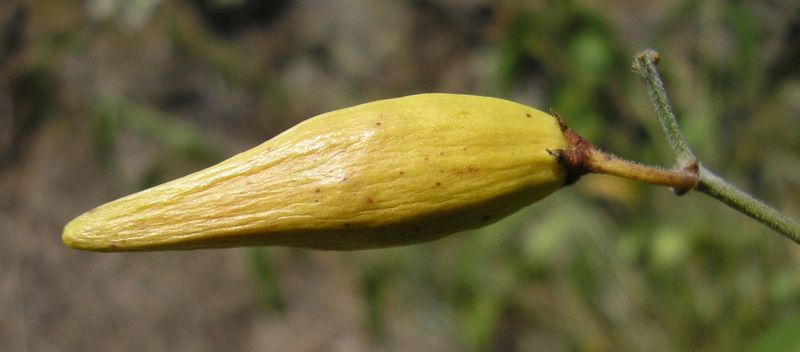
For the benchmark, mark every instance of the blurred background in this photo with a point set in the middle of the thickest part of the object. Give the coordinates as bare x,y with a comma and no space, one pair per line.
101,98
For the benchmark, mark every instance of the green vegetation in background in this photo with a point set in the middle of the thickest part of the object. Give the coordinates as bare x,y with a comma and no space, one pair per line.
782,336
181,141
34,95
573,48
375,282
263,268
35,92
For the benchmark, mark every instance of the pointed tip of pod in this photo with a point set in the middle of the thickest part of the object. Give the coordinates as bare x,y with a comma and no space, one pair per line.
71,236
74,237
81,233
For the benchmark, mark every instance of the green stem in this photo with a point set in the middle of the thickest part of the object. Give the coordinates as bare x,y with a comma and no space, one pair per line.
709,183
645,65
735,198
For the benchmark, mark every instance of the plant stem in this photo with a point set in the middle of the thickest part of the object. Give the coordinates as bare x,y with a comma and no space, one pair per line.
735,198
582,158
679,179
708,183
645,65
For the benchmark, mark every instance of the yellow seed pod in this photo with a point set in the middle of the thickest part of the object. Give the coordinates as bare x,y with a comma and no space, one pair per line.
387,173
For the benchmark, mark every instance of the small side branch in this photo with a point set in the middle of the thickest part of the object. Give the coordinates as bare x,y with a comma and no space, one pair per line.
707,182
645,65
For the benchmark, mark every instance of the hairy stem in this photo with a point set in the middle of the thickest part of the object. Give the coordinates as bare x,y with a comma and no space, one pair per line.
681,180
582,158
645,65
735,198
708,183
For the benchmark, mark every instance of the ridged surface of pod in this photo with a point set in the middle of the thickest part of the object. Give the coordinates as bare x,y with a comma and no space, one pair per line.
386,173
